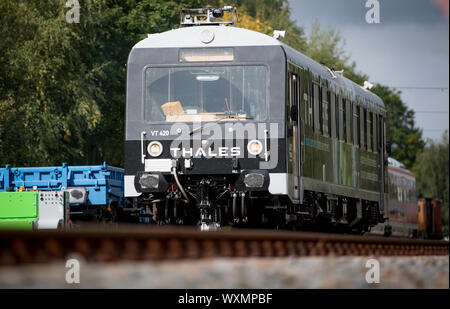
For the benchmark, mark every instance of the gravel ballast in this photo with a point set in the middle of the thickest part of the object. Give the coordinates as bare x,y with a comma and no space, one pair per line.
255,273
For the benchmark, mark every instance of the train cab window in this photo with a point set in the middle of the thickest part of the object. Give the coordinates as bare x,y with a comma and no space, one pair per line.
369,131
326,112
205,93
316,108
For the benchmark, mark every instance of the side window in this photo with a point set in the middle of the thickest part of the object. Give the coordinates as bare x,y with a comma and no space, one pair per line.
316,108
310,109
340,119
375,132
380,138
333,113
363,129
344,120
329,94
289,105
293,95
325,111
350,121
320,110
369,131
384,135
357,126
295,102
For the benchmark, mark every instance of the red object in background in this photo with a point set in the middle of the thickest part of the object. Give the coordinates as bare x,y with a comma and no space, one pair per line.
437,219
443,6
411,213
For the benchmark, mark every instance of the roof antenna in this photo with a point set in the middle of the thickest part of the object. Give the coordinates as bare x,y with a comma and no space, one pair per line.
279,34
367,85
331,72
206,16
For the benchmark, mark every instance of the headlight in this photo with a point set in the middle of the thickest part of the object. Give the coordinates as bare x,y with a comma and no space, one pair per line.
254,180
254,147
149,181
155,149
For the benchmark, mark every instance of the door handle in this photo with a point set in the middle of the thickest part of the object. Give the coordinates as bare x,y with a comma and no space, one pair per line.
143,133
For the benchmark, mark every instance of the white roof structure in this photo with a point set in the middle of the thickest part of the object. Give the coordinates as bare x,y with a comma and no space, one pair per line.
193,37
395,163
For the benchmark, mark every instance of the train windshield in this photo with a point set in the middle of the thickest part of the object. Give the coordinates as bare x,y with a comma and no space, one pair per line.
188,94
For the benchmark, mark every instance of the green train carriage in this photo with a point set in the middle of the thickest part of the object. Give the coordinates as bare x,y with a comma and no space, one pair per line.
338,130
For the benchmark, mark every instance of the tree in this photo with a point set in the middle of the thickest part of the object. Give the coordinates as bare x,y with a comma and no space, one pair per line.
328,48
402,133
277,15
49,91
432,174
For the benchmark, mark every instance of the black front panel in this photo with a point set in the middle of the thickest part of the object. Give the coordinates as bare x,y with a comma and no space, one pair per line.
205,166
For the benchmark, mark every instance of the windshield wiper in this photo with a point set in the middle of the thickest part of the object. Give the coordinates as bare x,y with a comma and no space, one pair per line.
236,116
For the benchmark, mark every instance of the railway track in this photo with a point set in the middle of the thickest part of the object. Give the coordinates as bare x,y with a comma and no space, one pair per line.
171,243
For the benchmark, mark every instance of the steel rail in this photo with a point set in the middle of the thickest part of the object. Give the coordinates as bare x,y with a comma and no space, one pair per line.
169,243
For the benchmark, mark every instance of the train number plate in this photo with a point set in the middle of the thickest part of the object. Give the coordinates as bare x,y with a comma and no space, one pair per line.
158,165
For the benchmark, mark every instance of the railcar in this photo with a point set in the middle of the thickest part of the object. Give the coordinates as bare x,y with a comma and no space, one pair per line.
35,210
230,126
406,214
401,210
429,219
95,191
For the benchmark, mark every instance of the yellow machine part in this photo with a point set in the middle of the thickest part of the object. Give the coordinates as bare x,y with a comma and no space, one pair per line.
422,220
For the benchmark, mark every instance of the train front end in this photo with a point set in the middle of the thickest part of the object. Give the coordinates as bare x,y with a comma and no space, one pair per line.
204,125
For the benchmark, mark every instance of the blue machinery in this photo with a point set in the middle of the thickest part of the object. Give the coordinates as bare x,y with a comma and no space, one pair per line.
96,185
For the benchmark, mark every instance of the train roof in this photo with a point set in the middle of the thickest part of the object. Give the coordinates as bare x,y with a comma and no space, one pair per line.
394,163
190,37
370,99
398,167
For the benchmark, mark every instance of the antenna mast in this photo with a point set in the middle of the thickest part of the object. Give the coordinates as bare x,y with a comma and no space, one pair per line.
206,16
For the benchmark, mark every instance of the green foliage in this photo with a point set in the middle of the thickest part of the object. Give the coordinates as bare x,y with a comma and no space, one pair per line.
432,174
328,48
51,81
402,133
277,14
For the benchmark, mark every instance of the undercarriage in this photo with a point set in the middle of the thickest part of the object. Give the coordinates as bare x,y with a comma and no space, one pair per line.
244,201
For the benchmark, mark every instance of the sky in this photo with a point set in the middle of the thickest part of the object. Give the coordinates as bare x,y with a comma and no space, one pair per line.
408,48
